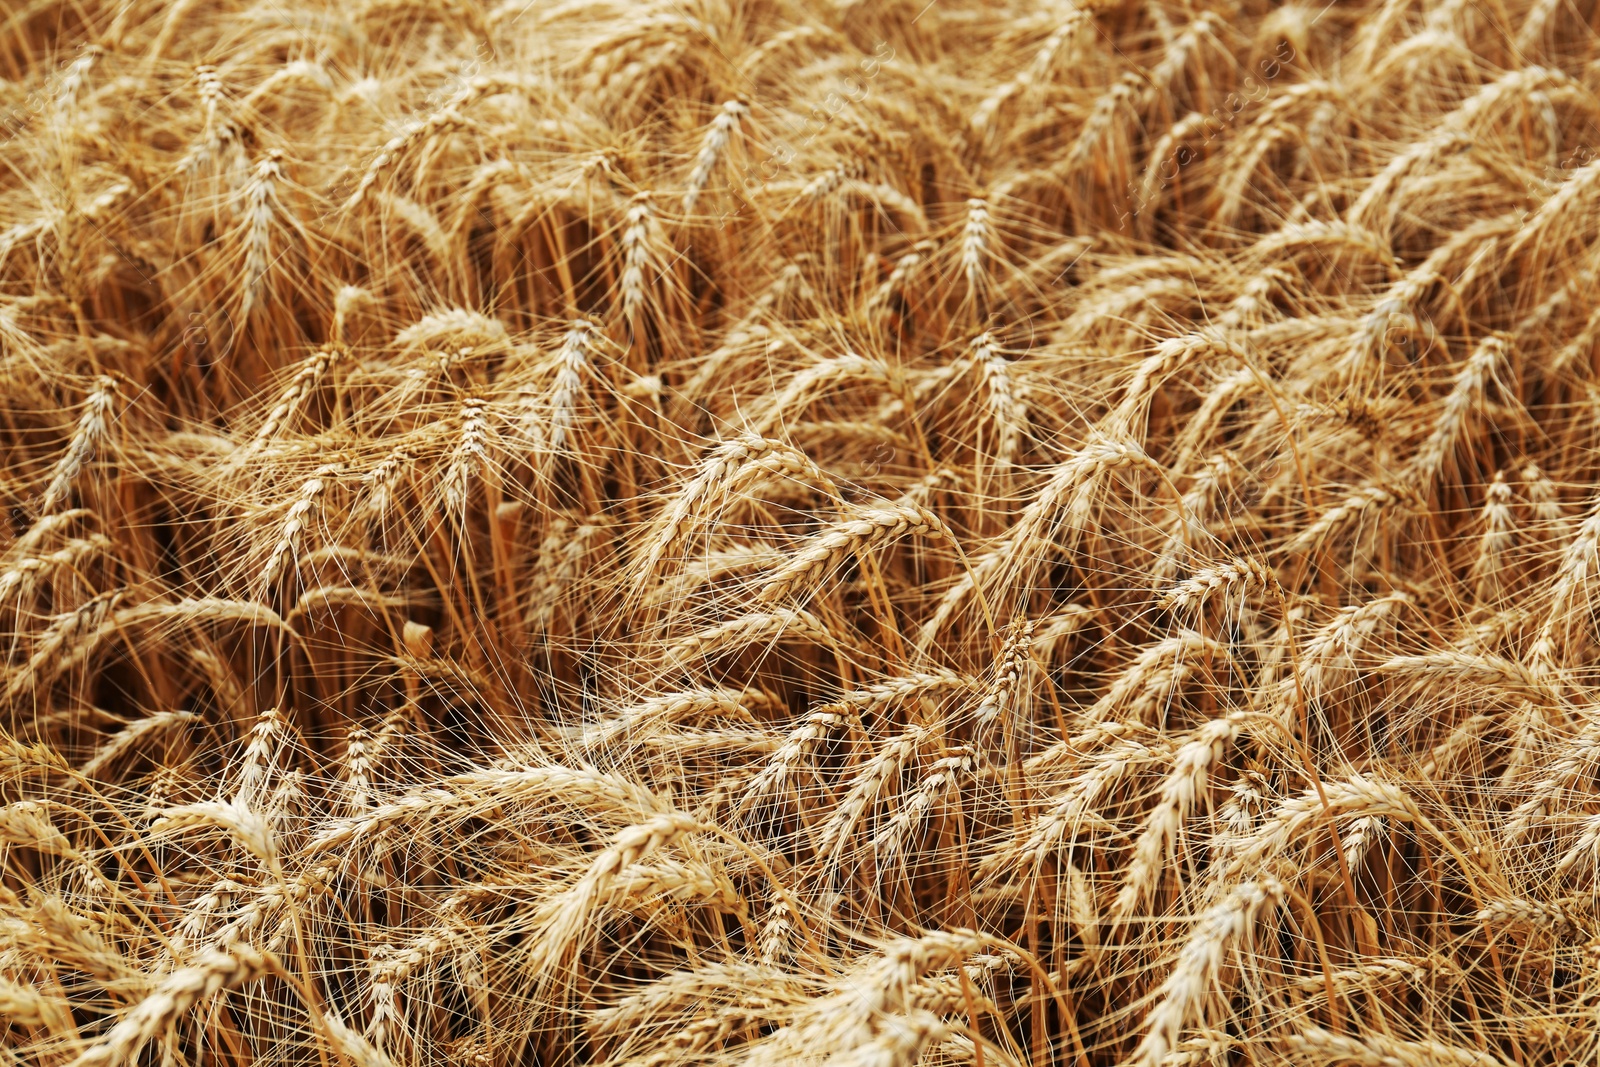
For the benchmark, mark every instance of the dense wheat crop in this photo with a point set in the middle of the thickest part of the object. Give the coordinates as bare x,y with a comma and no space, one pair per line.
778,531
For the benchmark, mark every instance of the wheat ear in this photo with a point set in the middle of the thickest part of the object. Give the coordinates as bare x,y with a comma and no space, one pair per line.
292,533
212,971
1184,788
868,527
722,130
93,425
299,391
1191,981
1376,1050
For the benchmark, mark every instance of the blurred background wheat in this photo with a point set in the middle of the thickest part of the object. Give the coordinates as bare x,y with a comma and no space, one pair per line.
788,531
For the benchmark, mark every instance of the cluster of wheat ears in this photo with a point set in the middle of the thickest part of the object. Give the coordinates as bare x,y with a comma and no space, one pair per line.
780,531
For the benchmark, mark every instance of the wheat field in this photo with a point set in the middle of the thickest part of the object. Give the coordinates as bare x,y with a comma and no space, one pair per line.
755,532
